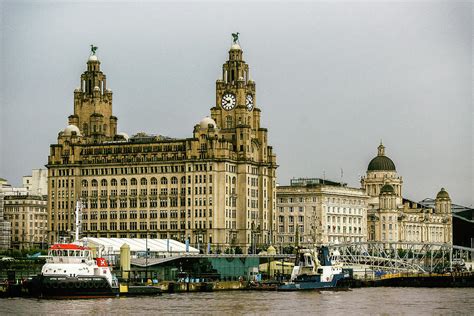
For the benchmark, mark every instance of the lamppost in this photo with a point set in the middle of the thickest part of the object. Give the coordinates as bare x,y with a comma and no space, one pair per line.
146,256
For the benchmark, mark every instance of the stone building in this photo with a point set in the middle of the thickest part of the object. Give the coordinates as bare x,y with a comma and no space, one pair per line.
5,226
315,211
215,188
28,217
393,218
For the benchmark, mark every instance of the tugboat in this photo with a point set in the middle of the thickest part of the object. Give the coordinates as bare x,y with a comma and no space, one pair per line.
314,271
70,271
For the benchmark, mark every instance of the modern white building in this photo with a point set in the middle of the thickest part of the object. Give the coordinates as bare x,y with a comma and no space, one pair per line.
37,183
138,246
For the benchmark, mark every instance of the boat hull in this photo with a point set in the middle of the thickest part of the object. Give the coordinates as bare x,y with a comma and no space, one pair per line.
69,287
308,283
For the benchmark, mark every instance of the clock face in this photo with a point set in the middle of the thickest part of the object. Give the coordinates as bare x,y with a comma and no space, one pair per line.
249,102
228,101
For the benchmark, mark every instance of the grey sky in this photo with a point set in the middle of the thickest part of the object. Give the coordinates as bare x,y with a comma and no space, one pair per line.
332,80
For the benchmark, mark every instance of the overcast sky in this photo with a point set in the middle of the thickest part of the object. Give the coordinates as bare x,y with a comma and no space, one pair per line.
333,79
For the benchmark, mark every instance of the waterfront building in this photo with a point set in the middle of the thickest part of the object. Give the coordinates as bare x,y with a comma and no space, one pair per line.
5,226
215,188
463,222
28,217
37,183
25,211
315,211
392,218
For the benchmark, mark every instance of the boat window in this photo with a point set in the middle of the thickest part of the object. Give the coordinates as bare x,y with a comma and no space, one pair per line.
320,271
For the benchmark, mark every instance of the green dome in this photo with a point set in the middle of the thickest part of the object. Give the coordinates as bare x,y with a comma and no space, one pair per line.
442,194
387,189
381,162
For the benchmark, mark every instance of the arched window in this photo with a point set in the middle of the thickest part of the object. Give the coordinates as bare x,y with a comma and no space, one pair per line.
123,181
94,183
233,180
143,181
103,182
113,182
174,180
164,180
85,184
154,181
183,180
133,181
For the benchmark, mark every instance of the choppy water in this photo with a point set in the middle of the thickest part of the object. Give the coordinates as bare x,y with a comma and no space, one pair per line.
365,301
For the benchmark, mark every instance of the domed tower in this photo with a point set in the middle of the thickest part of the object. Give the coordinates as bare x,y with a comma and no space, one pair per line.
443,207
380,171
443,202
93,104
236,111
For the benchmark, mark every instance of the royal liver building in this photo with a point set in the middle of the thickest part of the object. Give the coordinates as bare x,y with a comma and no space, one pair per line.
215,188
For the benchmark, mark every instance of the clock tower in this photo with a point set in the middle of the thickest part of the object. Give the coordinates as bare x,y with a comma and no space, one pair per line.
236,111
251,163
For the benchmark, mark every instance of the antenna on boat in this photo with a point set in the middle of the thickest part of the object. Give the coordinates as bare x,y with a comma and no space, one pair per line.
78,219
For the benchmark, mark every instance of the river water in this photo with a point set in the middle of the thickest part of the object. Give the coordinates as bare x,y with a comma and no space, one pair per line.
364,301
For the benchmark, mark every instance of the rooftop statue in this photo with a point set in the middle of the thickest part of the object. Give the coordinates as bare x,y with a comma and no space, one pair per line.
93,49
235,37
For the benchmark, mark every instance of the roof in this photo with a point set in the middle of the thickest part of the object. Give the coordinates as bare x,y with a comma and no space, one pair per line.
68,247
442,194
381,163
139,244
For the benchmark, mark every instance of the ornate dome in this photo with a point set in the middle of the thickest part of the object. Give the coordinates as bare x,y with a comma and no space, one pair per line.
442,194
235,46
70,129
381,162
93,58
124,135
205,122
387,189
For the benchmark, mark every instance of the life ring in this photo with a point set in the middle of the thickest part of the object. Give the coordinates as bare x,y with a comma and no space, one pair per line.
54,285
77,285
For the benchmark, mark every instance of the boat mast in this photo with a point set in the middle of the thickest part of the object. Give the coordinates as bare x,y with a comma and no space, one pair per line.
78,219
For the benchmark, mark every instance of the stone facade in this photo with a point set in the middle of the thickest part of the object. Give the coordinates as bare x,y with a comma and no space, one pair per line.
5,226
393,218
215,189
28,217
318,211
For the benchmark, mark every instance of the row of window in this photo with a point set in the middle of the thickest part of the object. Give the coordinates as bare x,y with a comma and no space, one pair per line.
143,226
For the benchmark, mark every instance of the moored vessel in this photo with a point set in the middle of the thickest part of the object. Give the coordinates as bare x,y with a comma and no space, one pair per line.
70,271
314,270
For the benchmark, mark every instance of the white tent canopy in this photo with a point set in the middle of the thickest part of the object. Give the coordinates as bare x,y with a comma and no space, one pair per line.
156,246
